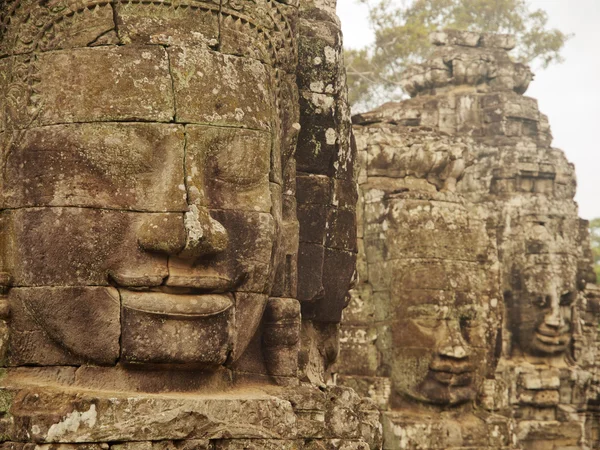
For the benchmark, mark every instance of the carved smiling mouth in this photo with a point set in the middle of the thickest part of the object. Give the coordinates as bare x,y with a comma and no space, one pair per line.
552,339
176,305
185,296
451,373
556,341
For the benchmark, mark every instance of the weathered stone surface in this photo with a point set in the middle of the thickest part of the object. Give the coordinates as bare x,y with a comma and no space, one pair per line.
336,418
228,168
226,98
149,235
104,417
119,165
165,24
470,256
202,321
65,94
79,246
42,333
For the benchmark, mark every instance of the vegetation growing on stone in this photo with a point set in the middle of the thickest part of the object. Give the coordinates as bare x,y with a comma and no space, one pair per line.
401,39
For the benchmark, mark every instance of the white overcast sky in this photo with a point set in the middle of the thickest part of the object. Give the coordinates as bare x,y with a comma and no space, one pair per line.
568,93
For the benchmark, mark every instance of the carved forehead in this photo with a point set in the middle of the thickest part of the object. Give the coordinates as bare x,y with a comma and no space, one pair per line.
261,29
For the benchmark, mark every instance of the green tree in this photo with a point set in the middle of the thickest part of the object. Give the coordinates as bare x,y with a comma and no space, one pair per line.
401,38
595,235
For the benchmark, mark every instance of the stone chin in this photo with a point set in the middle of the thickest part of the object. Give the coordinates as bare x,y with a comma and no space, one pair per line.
187,330
176,329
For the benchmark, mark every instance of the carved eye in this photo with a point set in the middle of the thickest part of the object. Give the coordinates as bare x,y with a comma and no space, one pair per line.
428,323
567,299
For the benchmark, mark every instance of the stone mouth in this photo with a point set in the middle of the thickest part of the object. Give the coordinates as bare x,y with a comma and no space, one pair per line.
452,373
185,304
557,340
452,379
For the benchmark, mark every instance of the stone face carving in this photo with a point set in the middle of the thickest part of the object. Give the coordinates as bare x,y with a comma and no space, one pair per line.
470,137
540,312
421,334
149,234
129,201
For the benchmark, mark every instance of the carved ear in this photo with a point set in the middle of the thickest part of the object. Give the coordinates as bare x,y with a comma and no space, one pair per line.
510,320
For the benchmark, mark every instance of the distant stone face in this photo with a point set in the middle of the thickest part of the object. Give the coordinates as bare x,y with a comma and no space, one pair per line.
541,313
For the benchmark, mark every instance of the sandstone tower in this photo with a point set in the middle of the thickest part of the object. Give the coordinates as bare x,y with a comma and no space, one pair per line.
470,157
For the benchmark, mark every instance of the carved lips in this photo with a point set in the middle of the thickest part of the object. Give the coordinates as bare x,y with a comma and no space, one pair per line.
548,340
448,382
451,372
176,305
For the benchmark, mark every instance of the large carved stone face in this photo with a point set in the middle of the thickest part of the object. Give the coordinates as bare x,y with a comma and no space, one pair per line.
141,208
542,309
443,296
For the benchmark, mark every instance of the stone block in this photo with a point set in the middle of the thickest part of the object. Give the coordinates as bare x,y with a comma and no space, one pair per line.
77,27
104,417
358,351
251,32
341,230
228,168
247,260
503,41
196,24
313,223
80,246
336,297
318,139
240,93
345,194
548,431
160,328
319,56
66,93
314,189
105,165
64,325
310,272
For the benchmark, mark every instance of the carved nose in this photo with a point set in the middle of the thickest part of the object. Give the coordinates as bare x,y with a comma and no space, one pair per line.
204,235
189,236
453,344
453,351
554,318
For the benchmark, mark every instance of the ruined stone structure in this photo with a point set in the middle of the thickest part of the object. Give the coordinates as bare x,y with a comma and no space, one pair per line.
474,323
162,283
178,238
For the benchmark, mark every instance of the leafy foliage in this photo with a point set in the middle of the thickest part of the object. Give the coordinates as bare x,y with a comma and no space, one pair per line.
401,39
595,235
